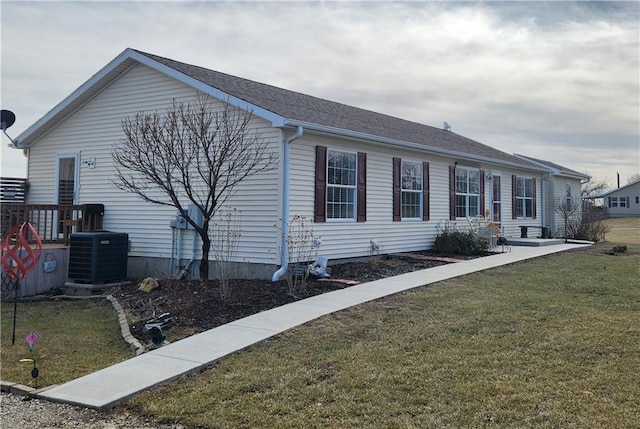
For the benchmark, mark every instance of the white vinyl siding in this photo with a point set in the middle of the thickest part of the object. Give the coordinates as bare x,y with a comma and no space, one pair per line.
347,240
94,128
623,202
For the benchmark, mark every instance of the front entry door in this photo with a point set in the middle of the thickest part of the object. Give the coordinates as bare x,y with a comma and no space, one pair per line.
497,199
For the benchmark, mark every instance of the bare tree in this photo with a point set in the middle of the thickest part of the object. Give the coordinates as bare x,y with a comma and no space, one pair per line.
568,210
592,188
194,153
633,178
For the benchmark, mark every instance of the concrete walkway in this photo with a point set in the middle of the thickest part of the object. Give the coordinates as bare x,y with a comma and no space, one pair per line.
105,388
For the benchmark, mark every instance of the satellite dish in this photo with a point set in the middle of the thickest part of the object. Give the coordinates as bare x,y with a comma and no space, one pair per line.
8,118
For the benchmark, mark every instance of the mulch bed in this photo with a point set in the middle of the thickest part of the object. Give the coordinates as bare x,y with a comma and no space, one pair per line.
194,306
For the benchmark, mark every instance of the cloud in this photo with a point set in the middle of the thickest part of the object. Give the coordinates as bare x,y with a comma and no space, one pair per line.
555,80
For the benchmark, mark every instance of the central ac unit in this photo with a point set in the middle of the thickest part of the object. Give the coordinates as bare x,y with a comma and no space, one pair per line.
98,257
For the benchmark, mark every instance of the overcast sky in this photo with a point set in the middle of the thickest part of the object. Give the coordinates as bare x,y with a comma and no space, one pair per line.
552,80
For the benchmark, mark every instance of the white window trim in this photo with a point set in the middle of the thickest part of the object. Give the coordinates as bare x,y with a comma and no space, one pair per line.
76,178
467,194
525,215
420,192
354,188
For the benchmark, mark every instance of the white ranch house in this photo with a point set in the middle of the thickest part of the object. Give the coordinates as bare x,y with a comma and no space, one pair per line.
623,201
399,180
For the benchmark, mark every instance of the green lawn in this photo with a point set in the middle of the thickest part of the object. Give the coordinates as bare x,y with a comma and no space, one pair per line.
547,343
551,342
75,338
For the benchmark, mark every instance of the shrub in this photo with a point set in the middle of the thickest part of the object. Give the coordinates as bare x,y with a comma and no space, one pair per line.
590,226
452,241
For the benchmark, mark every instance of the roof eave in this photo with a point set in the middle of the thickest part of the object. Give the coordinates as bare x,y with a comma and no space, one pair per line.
107,75
75,100
554,171
408,145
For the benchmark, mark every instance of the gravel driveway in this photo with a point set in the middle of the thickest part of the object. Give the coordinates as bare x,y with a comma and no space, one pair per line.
19,412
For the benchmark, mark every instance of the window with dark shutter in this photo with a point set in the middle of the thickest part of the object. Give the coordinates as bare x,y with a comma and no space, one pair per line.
514,198
482,182
534,198
524,198
452,192
425,191
340,185
466,192
362,187
320,214
397,189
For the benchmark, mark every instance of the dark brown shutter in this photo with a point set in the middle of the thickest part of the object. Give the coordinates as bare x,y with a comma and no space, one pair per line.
482,192
397,191
362,187
452,192
534,196
425,191
514,208
320,212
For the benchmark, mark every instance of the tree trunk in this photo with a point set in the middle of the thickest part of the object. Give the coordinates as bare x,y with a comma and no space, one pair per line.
206,246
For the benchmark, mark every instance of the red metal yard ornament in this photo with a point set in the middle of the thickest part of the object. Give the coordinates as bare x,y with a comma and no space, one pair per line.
16,266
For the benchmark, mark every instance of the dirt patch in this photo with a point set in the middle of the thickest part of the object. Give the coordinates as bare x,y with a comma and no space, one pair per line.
192,306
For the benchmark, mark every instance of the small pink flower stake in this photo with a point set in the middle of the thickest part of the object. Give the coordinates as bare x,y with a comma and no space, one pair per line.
31,339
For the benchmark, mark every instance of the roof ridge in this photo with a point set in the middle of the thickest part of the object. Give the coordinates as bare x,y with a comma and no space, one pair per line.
279,88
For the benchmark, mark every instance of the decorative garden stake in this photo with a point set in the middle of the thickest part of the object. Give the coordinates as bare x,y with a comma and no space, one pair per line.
31,339
17,266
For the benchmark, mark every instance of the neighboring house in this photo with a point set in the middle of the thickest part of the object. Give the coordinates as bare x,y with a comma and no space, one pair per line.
562,194
624,201
371,183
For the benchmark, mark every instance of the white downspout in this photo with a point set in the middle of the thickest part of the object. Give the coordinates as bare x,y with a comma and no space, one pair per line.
285,204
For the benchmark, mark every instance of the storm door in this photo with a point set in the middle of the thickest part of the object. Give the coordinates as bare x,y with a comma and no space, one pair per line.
497,199
66,189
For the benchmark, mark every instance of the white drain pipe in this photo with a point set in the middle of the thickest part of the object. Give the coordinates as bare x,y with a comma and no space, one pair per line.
285,204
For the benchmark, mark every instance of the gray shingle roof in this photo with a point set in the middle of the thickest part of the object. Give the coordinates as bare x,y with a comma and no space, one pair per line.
562,170
296,106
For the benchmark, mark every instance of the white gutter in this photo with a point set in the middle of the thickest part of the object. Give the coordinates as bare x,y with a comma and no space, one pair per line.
408,145
285,204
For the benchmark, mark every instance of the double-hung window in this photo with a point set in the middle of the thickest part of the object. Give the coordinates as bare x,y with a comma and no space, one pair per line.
411,200
410,190
524,197
467,191
341,184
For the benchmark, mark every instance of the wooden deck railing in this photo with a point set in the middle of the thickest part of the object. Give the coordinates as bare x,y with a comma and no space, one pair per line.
54,222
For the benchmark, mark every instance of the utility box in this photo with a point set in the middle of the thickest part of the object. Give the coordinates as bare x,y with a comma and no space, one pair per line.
194,214
98,257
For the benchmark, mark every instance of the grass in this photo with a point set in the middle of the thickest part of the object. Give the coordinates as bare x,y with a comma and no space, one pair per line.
75,338
550,342
620,231
546,343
